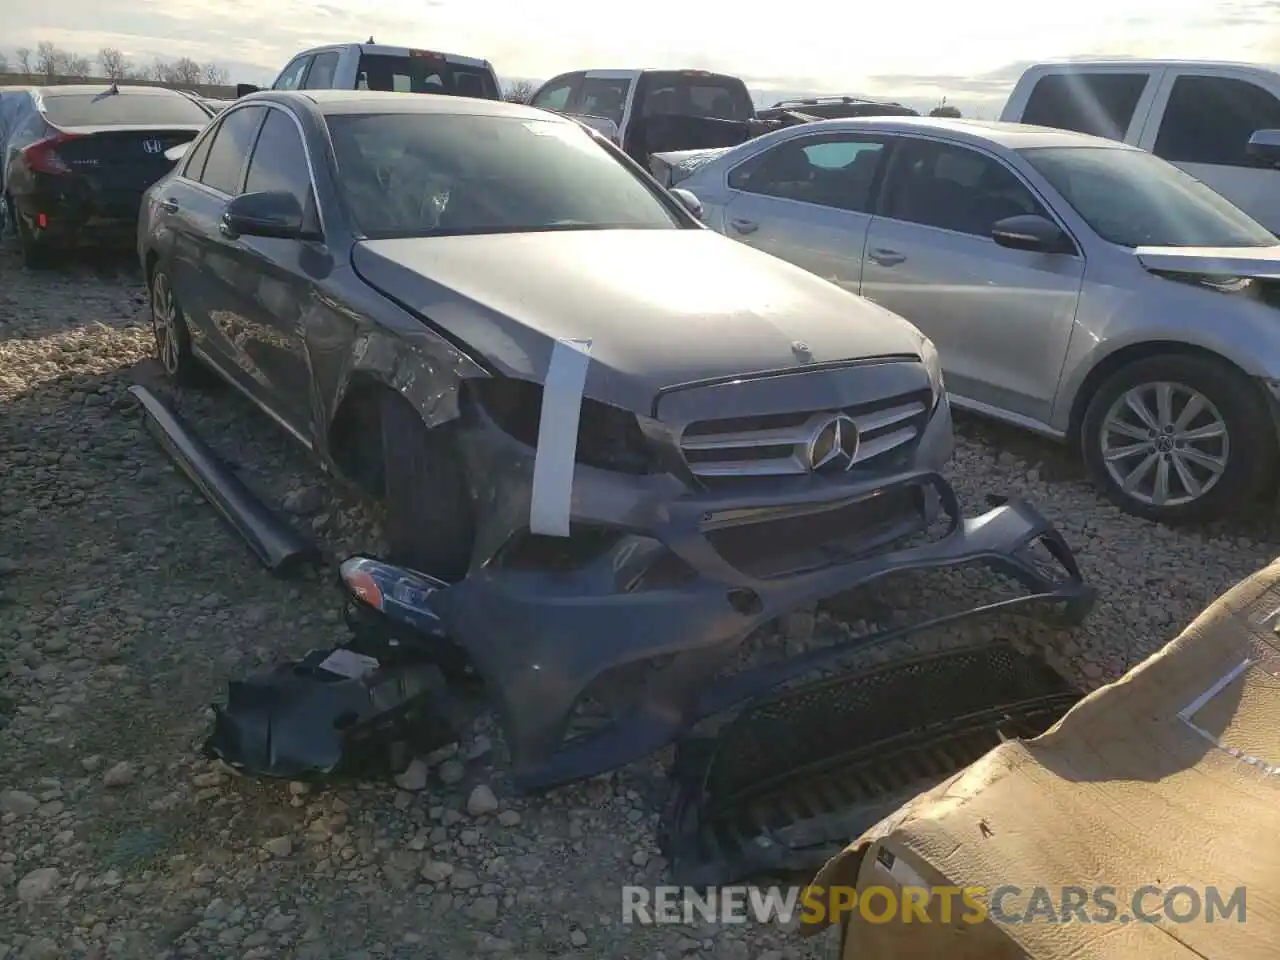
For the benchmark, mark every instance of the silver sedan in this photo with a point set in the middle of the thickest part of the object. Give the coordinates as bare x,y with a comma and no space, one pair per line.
1074,286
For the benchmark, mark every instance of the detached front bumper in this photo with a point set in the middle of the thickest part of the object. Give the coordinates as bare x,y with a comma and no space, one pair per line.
540,640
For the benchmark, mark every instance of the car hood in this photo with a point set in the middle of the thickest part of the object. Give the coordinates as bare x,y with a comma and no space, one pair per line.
660,307
1260,262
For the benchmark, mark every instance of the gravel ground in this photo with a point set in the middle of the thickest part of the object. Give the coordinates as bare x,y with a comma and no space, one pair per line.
125,605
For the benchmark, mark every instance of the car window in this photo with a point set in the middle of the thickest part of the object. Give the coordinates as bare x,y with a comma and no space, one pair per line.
695,93
1133,198
424,73
603,98
1101,104
954,188
279,161
193,166
442,174
836,170
322,71
109,109
1210,120
291,78
224,168
554,97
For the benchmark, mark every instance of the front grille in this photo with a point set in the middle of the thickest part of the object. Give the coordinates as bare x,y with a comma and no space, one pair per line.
776,445
811,541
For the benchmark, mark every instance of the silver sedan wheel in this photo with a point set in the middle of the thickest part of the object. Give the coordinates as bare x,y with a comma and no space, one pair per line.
1164,444
164,323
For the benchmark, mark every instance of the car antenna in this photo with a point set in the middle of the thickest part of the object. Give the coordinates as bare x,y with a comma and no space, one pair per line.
371,40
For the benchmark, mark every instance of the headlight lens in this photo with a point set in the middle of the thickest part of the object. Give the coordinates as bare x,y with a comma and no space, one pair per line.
929,357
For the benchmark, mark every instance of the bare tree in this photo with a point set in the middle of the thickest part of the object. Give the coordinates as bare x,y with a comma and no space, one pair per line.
77,66
215,75
521,91
49,59
24,59
115,65
183,72
945,109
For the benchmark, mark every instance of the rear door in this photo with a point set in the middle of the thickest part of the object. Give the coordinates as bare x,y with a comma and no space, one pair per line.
203,276
1001,318
1202,124
809,200
323,70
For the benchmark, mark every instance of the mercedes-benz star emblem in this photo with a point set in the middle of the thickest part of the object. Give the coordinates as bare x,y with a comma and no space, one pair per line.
834,445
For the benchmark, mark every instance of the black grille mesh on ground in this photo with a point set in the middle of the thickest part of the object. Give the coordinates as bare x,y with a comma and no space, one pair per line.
794,778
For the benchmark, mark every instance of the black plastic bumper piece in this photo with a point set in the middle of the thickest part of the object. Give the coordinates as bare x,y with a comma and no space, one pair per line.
794,777
276,544
540,640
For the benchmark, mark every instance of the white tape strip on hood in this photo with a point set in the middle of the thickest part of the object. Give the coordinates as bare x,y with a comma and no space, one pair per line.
558,438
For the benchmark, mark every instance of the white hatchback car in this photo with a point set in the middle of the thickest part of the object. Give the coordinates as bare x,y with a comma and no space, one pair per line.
1074,286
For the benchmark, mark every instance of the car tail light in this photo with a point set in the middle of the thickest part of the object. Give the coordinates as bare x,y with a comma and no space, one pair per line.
42,156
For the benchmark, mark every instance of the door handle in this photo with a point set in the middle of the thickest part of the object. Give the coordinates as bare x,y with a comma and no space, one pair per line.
886,258
169,205
744,226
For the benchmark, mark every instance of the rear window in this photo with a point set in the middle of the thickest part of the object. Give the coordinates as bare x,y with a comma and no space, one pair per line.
106,109
695,94
380,71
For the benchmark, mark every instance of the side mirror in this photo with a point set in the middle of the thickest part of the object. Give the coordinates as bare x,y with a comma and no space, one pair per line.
601,125
688,200
1264,148
244,89
174,154
272,213
1029,231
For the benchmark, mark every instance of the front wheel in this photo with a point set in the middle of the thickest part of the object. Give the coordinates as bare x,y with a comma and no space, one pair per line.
1176,438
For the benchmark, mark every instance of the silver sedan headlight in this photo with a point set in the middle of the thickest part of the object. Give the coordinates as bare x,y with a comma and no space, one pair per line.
929,357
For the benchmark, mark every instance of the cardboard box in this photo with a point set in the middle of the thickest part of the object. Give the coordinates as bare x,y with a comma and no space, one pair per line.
1167,778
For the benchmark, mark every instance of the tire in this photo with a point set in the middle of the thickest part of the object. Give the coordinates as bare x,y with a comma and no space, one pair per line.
171,335
34,255
1231,424
430,521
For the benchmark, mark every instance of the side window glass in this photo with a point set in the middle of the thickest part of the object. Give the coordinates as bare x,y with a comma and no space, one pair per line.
194,166
603,98
224,169
322,71
1101,104
555,97
291,79
279,161
953,188
1210,120
832,171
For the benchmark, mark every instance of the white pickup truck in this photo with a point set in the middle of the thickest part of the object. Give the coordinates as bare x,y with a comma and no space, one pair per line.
1198,115
372,66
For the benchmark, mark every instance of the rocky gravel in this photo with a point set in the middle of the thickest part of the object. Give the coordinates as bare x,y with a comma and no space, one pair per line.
125,605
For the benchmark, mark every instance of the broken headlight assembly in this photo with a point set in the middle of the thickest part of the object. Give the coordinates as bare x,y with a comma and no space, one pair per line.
609,438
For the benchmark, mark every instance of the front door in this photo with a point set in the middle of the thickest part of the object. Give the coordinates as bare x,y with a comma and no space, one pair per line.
808,200
1001,319
1205,128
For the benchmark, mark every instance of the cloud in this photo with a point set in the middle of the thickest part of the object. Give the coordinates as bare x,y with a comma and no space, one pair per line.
970,53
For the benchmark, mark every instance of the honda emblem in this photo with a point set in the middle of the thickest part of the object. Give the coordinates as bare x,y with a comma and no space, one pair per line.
153,146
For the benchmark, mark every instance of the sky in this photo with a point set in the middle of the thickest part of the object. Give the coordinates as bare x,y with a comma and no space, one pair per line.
916,53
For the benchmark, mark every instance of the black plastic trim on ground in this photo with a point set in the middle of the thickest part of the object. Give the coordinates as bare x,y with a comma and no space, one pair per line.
279,547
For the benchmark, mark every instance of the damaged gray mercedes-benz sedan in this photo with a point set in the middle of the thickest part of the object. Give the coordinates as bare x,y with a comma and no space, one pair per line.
623,440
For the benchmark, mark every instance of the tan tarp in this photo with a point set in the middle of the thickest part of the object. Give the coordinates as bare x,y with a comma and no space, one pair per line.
1169,777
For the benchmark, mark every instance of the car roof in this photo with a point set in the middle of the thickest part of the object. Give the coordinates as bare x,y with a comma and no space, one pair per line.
1011,136
81,89
385,101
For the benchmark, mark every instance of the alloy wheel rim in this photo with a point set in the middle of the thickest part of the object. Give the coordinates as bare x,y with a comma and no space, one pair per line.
164,323
1164,444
